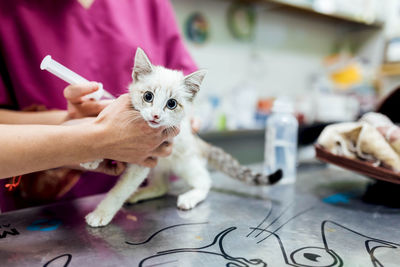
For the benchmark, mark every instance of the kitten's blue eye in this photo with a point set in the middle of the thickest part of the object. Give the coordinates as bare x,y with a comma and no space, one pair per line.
171,103
148,97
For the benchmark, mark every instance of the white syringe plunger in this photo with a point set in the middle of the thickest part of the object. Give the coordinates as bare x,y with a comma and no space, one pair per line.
68,75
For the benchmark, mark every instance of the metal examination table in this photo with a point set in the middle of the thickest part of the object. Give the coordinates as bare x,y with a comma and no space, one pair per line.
323,220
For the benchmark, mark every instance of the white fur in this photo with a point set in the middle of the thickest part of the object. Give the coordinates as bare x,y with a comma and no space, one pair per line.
91,165
116,197
185,160
164,84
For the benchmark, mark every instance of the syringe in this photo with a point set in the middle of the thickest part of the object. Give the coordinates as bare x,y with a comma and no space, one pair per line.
71,77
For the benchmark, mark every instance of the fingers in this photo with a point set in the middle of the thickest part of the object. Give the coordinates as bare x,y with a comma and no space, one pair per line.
95,107
111,167
89,108
150,162
166,134
75,92
171,132
164,150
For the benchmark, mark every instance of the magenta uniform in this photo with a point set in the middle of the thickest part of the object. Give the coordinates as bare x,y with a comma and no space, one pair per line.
98,43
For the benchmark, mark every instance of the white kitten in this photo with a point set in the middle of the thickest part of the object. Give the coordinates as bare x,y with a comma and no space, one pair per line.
164,97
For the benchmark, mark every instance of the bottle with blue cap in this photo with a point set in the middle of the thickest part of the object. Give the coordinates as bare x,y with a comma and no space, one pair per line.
281,140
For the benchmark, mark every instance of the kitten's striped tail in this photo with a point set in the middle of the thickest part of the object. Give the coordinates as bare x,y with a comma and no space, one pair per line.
225,163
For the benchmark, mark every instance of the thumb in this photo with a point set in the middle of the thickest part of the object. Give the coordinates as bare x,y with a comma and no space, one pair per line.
75,92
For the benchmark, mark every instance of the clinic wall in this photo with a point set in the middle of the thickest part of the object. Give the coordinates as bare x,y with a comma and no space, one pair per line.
288,49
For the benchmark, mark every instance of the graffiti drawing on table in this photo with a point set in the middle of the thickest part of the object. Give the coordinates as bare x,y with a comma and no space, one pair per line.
59,261
268,244
7,230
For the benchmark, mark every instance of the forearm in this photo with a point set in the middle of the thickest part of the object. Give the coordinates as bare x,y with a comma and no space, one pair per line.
29,148
51,117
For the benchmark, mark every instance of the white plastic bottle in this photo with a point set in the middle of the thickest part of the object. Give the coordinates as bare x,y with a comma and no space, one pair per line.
281,140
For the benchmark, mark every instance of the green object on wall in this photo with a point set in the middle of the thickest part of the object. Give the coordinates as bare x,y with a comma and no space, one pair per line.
241,19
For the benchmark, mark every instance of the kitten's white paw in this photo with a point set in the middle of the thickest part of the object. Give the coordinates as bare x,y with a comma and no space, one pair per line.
191,198
91,165
186,202
98,218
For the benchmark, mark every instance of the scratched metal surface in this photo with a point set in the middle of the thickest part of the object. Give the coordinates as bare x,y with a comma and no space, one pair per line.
321,221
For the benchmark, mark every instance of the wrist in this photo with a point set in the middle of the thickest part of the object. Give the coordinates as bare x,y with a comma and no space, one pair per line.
97,140
89,141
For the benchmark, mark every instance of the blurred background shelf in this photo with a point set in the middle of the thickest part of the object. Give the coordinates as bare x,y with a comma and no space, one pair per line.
390,69
325,55
245,145
248,145
307,8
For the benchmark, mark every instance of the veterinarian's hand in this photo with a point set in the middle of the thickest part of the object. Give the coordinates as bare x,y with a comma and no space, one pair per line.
125,136
107,166
78,106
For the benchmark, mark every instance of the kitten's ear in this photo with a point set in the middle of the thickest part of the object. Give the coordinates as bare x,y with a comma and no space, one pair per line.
193,82
142,64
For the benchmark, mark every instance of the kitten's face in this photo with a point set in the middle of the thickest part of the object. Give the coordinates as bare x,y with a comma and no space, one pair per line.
160,97
161,94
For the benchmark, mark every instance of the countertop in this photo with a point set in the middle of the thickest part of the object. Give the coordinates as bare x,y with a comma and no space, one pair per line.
322,220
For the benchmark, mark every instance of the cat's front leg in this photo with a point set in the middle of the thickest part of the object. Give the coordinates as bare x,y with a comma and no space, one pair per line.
116,197
195,172
157,187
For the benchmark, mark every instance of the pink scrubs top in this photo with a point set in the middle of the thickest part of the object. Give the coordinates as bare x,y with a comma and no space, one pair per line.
98,43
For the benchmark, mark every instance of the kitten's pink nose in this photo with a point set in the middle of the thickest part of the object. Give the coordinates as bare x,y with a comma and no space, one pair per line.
156,117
